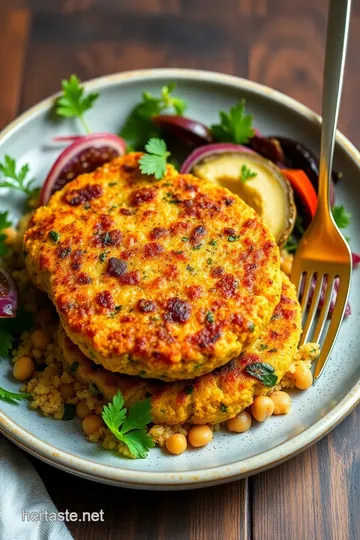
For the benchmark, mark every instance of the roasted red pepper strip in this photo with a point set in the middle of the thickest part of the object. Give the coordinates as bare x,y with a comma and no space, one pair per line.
303,188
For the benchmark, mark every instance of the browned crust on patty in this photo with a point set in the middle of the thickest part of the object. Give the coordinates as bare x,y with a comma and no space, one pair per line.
166,279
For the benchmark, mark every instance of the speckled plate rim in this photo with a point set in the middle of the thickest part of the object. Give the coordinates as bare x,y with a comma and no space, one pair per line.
203,477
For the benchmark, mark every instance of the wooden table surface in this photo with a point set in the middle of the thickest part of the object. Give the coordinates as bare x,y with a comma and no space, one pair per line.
315,496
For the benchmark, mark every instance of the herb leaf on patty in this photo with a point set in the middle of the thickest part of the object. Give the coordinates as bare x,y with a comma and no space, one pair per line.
130,428
154,162
264,372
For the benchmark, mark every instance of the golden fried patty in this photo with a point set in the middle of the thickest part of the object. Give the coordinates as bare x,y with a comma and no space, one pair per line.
213,397
166,279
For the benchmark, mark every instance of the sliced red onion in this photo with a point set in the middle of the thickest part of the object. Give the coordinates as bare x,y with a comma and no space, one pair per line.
188,130
356,258
209,150
84,155
8,295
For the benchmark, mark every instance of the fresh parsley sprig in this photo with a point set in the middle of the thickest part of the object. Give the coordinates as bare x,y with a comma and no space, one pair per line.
15,177
341,216
139,127
235,126
247,174
4,224
154,161
130,428
13,397
73,102
264,372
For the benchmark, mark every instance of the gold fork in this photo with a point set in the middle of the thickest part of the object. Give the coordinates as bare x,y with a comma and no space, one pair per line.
323,259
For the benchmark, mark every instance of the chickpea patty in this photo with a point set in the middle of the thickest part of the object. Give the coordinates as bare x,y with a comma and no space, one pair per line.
167,279
211,398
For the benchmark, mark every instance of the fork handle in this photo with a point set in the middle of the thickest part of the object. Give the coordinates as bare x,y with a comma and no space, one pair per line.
336,43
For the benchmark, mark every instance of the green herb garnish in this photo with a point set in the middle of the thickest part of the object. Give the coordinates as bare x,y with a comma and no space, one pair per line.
13,397
189,390
189,268
74,366
12,327
184,239
210,317
69,411
235,126
73,102
54,236
154,162
232,238
247,174
341,216
263,346
94,389
130,428
251,327
223,407
213,243
4,224
102,256
16,179
264,372
139,126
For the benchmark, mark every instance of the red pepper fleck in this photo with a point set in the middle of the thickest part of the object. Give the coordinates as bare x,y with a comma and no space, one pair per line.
63,252
207,336
227,285
142,195
127,254
109,238
116,267
126,212
130,278
177,310
76,197
153,249
197,233
195,291
83,279
179,227
105,299
229,231
146,306
216,271
158,232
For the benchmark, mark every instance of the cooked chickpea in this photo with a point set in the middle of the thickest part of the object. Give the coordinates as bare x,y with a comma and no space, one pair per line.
10,234
40,339
44,316
92,423
240,423
282,402
200,436
262,408
82,409
176,444
67,391
302,377
23,368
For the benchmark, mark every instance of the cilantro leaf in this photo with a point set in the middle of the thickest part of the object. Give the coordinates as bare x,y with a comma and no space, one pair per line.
130,429
73,102
264,372
4,224
154,162
11,328
139,127
15,179
341,216
247,174
13,397
6,340
235,126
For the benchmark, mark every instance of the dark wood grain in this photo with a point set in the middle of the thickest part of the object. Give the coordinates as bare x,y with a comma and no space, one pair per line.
14,30
315,496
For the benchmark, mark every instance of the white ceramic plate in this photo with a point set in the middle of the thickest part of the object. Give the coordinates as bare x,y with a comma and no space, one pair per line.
230,456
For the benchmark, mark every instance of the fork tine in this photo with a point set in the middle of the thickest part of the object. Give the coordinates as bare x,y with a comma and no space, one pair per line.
324,310
308,277
313,308
337,316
